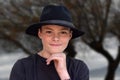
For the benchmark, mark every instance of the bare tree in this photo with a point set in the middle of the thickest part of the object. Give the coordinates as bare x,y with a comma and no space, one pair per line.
94,15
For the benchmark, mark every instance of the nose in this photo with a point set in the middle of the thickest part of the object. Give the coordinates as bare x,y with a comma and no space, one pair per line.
56,37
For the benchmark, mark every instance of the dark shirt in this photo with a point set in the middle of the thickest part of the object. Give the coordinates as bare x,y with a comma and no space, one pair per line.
34,68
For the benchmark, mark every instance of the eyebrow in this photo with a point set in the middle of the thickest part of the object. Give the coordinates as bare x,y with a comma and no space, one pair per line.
65,28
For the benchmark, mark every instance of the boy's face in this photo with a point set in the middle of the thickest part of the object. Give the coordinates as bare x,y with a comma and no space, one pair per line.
54,38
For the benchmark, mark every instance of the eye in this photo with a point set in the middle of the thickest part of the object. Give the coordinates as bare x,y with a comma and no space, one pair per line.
48,32
63,32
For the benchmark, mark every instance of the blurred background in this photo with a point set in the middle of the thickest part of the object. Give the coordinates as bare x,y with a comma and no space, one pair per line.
99,48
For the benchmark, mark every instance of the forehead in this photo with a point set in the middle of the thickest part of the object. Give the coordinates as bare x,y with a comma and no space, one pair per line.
52,27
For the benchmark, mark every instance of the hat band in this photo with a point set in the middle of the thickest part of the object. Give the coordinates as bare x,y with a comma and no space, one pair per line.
59,22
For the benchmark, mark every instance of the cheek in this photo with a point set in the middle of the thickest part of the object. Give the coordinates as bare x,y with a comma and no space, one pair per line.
66,42
45,40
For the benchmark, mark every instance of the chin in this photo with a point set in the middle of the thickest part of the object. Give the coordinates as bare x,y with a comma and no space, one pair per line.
57,51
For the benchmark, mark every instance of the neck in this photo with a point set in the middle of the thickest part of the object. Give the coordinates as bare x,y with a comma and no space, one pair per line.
44,54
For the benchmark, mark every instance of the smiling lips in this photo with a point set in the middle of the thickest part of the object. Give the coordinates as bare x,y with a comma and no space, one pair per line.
56,45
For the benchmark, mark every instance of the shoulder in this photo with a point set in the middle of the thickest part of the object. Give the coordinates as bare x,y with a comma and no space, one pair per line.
26,60
20,68
78,69
76,62
77,65
29,58
23,63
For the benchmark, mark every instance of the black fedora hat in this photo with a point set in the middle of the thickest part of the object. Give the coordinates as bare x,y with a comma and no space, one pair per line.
56,15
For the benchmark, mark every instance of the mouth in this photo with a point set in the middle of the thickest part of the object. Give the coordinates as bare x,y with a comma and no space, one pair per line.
56,45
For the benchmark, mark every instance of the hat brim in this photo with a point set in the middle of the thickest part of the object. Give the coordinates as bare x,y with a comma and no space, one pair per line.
33,29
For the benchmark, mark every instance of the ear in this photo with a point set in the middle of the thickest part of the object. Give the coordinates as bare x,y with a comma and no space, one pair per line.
71,34
39,33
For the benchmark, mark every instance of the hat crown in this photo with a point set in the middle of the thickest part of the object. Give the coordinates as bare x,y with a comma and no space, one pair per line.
53,12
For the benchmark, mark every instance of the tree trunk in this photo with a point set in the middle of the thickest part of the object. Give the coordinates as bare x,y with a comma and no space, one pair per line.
112,63
112,67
